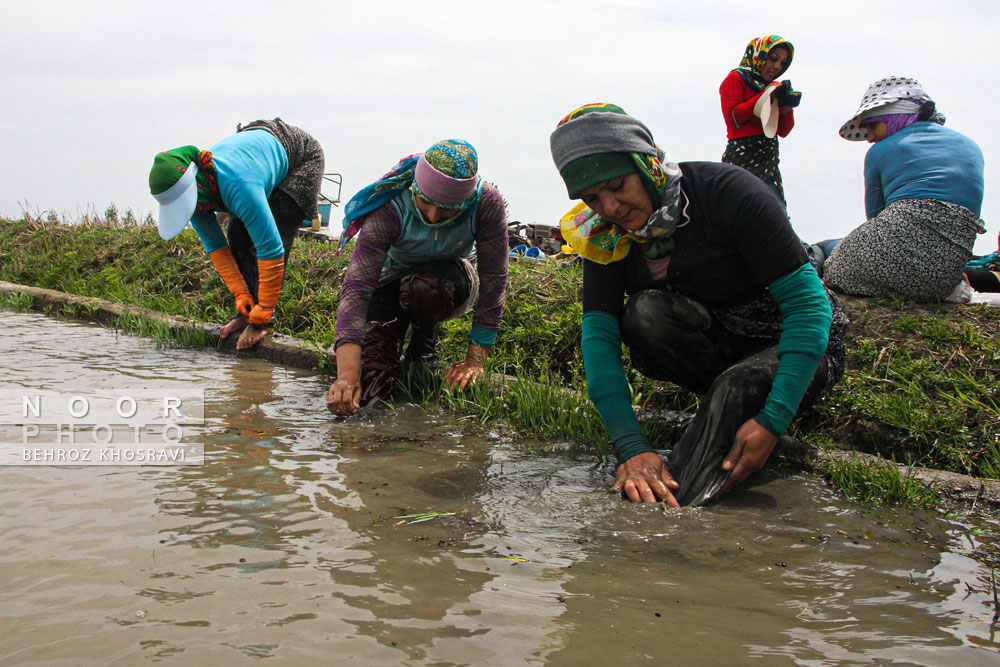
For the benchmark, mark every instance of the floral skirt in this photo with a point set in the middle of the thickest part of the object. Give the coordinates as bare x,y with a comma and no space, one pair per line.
915,249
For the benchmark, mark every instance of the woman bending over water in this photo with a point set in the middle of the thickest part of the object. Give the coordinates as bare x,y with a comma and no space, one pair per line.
721,300
267,177
412,269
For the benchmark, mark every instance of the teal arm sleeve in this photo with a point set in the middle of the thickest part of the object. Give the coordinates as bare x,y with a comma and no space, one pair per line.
607,386
806,309
209,231
482,336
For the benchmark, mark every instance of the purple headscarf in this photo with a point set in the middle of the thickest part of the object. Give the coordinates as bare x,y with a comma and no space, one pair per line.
893,122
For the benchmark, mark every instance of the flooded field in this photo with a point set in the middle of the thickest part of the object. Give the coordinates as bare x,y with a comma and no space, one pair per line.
395,538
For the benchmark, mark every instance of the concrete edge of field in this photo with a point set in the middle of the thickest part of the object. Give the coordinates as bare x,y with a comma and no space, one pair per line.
954,488
278,349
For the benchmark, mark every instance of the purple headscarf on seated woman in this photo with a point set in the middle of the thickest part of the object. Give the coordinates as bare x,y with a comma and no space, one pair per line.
893,122
900,98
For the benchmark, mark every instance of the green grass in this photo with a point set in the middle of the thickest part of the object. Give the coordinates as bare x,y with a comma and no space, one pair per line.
531,405
877,482
926,389
922,382
20,301
162,333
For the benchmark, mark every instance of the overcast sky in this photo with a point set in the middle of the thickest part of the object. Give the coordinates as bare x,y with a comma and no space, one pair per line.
93,89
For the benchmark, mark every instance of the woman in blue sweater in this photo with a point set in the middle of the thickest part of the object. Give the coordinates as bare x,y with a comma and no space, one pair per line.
267,177
722,300
923,197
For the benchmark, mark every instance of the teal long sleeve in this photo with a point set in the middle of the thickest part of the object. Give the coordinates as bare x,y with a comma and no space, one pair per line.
607,386
805,306
482,336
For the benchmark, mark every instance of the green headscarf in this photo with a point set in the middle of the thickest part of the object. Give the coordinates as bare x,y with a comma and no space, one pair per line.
169,166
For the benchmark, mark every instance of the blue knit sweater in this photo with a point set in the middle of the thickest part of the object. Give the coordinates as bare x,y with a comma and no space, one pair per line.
924,161
249,166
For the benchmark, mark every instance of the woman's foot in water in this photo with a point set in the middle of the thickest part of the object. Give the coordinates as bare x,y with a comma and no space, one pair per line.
235,326
252,335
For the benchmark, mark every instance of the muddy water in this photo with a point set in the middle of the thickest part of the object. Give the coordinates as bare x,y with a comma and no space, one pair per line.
288,544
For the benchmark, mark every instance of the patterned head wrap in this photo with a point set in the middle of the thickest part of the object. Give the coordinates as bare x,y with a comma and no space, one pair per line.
752,64
891,96
445,175
596,143
448,170
169,166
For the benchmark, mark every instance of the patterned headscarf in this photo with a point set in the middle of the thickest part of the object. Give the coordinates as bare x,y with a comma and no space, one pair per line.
596,143
453,160
169,166
446,174
752,64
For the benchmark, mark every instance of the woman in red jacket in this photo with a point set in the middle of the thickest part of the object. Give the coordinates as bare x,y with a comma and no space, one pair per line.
757,107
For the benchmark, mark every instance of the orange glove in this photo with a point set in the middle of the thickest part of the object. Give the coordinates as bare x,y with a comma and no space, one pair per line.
244,304
270,275
225,264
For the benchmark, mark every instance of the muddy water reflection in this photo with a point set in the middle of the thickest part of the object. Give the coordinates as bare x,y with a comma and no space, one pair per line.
286,543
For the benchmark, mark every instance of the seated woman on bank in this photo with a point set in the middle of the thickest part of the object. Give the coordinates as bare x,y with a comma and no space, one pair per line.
411,269
923,197
752,142
267,177
721,300
983,273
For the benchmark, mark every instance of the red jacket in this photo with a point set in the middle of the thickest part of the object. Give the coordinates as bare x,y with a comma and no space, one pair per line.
737,108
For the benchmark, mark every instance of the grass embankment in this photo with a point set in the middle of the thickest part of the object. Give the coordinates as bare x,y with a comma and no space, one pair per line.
921,385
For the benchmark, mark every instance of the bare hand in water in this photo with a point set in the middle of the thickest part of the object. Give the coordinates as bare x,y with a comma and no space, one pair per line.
752,446
344,397
253,334
645,479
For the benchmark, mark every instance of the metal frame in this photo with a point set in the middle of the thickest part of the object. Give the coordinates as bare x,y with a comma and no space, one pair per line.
336,179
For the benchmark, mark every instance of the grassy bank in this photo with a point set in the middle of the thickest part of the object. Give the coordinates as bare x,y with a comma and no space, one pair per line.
921,385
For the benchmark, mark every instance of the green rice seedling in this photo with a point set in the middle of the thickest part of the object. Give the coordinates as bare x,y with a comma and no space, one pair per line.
20,301
163,333
536,407
420,518
878,482
76,311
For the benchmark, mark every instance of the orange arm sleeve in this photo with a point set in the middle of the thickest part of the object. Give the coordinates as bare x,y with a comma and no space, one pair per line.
225,264
271,273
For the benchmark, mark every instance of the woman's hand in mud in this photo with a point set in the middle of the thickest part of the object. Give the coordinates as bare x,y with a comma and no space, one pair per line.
752,446
343,397
465,372
645,479
253,334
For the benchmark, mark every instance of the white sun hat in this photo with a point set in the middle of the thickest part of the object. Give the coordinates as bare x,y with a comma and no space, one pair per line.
177,204
766,108
879,94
